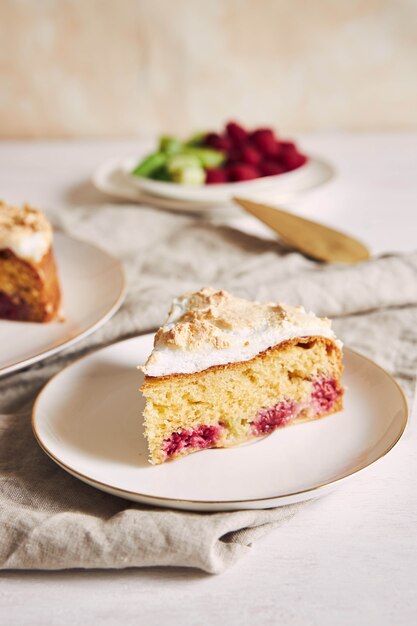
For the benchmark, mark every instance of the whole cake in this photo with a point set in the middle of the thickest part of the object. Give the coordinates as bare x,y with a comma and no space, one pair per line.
29,287
225,370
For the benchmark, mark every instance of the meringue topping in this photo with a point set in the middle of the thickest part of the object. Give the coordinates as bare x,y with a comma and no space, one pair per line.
25,231
212,327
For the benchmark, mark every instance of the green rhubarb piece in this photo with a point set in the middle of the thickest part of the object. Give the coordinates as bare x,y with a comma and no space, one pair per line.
170,145
186,169
190,175
150,164
207,156
161,174
196,140
181,161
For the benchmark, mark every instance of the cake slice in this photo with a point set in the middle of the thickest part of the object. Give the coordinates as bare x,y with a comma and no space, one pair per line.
225,370
29,287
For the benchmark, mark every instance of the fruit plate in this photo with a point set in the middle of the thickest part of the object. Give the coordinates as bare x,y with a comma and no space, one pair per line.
313,173
93,288
88,420
113,177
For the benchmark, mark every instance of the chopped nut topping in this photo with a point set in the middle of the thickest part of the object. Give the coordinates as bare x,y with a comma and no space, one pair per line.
25,219
205,319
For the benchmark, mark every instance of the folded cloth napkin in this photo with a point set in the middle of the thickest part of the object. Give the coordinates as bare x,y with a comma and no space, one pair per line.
50,520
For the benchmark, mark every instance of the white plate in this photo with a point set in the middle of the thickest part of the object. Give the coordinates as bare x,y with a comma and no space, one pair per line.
114,178
93,287
88,420
307,176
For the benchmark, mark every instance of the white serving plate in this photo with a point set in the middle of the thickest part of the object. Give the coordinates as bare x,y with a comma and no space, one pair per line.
88,420
93,287
307,175
114,178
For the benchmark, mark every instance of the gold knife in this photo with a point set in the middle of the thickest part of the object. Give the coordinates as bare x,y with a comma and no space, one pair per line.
313,239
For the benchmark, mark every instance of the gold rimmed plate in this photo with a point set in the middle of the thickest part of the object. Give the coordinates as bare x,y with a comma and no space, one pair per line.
93,287
88,420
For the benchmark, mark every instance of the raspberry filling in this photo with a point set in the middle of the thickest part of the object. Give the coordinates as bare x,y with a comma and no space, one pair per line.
268,420
191,438
11,309
325,394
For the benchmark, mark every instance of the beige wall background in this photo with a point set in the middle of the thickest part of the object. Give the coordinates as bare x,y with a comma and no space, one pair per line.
118,67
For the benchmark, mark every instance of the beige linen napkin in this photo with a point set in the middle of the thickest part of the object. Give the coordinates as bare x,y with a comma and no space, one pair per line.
50,520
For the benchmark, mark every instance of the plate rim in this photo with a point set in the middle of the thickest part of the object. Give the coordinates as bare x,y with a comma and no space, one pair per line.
44,354
106,487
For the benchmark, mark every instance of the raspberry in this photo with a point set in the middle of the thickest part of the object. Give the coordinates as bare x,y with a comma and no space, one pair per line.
290,156
218,142
215,176
269,419
265,140
294,159
325,393
287,150
242,171
237,133
234,156
288,145
271,168
250,155
263,132
191,439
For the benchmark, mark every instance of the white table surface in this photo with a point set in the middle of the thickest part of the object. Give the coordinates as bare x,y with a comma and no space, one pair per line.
349,558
